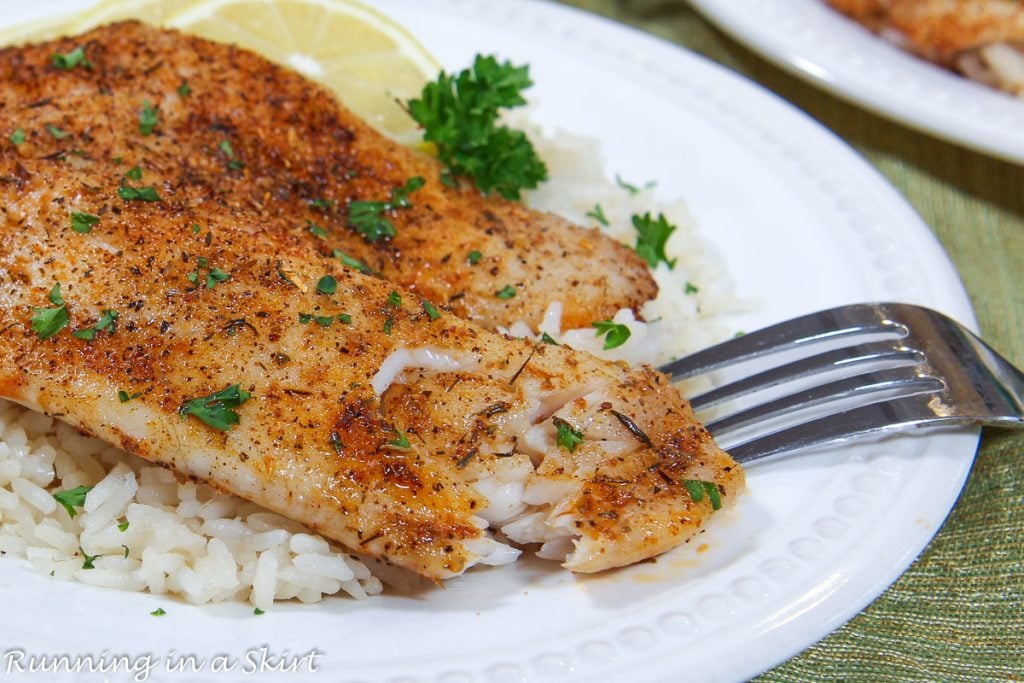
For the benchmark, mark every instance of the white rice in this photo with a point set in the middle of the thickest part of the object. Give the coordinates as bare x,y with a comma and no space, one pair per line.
147,531
693,295
188,540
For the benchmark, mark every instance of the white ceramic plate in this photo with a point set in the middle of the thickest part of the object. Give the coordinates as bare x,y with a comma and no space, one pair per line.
827,49
803,224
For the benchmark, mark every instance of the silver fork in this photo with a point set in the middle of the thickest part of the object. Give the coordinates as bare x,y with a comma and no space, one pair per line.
873,368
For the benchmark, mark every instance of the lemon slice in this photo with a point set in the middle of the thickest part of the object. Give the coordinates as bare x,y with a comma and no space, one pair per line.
364,57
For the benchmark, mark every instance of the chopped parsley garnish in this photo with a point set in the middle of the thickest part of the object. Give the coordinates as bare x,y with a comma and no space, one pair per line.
49,321
351,262
70,60
217,409
630,187
134,173
345,318
317,230
697,489
149,118
400,196
229,151
123,526
568,438
89,559
214,275
142,194
506,292
106,322
394,299
388,324
474,257
83,222
597,213
72,498
17,137
258,611
123,396
548,339
400,440
196,229
459,114
57,133
184,90
125,551
651,236
368,217
616,334
321,320
430,310
327,285
691,288
158,612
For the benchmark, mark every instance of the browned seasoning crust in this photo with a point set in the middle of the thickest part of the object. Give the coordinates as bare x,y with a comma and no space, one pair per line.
941,30
300,157
315,441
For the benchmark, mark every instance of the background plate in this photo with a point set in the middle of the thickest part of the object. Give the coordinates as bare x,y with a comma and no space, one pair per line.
803,223
829,50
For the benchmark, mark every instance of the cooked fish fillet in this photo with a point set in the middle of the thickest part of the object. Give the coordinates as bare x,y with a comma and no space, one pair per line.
255,135
984,39
351,405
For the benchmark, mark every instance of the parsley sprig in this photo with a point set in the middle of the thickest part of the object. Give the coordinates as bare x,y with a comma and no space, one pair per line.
72,498
352,262
697,488
459,114
651,236
49,321
615,334
214,275
369,218
69,60
149,118
140,194
568,437
106,322
83,222
217,409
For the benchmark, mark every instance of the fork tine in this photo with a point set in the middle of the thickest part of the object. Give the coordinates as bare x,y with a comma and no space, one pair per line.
884,416
906,380
850,356
930,370
835,323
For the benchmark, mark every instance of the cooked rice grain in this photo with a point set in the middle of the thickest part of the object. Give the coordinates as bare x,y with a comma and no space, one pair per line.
181,537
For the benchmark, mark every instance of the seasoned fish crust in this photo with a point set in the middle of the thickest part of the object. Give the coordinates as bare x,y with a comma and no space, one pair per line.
984,39
255,135
942,28
381,423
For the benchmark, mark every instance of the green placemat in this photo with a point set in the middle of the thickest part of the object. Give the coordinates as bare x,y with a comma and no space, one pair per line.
958,613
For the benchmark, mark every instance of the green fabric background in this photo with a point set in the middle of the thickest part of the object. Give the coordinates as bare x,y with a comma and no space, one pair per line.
958,613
